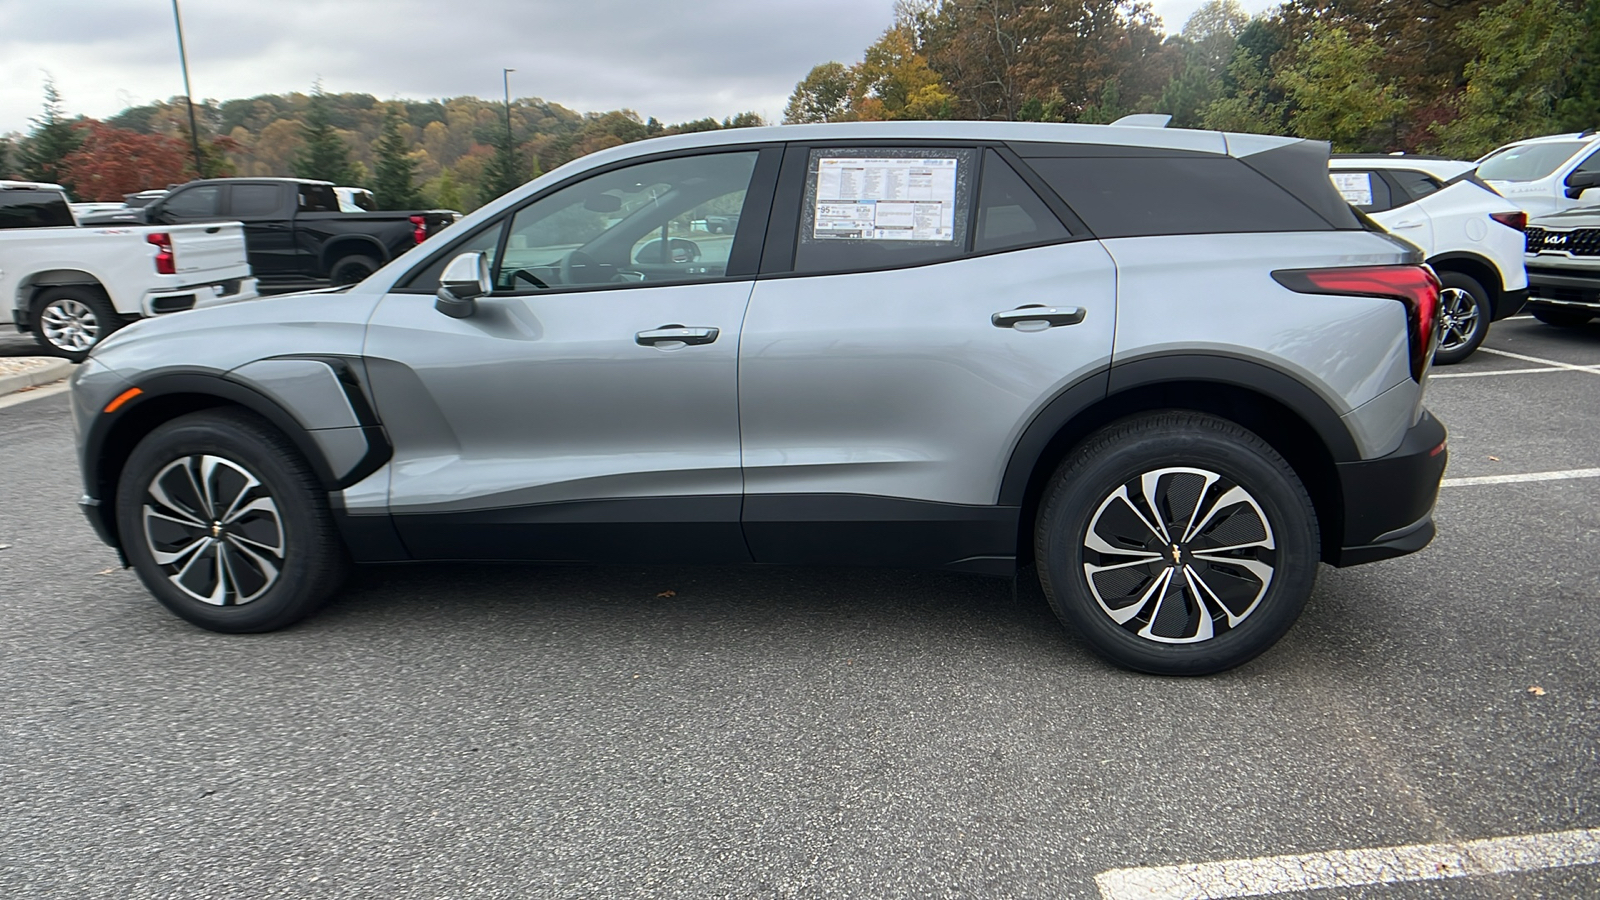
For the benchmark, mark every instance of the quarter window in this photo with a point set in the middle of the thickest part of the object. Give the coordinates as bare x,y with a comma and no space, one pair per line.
1010,214
1415,184
874,208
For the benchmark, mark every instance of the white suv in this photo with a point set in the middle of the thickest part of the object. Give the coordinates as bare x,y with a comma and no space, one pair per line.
1546,175
1471,236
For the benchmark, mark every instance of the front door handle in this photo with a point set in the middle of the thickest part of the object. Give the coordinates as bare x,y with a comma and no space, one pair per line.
1409,223
670,334
1047,316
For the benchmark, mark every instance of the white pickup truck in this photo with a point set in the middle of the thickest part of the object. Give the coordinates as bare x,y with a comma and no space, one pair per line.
72,286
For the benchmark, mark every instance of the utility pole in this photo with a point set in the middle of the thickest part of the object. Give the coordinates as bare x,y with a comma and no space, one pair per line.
188,95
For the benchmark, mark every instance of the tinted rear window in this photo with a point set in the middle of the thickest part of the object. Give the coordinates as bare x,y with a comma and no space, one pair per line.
1134,196
33,209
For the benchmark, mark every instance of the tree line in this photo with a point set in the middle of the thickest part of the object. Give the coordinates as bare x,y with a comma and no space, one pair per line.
1457,77
457,153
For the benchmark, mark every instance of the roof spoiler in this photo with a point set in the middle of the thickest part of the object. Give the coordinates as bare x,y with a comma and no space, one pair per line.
1145,120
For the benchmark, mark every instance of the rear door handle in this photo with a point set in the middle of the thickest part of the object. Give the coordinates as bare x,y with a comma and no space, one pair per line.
1048,316
1409,223
668,334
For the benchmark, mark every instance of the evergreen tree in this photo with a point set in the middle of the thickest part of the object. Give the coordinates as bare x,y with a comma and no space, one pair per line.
505,171
52,140
324,156
5,157
395,182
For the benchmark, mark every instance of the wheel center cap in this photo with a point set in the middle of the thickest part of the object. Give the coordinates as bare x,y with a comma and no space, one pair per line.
1177,555
216,529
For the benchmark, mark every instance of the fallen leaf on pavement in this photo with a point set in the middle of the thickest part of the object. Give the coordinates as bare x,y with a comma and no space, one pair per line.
110,571
665,594
1494,459
5,546
1536,691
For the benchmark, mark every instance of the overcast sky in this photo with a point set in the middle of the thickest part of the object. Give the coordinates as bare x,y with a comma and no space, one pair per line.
670,59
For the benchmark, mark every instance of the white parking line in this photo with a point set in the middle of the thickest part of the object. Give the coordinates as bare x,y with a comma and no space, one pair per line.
1273,875
1560,475
1594,370
39,393
1495,372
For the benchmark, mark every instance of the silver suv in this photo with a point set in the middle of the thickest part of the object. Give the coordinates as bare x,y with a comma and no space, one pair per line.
1172,369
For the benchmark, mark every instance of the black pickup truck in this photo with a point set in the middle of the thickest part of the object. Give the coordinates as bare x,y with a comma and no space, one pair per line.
293,229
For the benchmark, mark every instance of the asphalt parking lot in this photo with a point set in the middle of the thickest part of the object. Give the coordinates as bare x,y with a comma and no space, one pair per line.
461,732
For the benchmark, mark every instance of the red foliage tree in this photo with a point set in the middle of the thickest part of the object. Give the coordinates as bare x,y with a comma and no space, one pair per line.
114,161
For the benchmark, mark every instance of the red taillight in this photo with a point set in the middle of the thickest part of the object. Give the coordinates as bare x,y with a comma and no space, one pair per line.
1516,220
165,264
1415,286
419,229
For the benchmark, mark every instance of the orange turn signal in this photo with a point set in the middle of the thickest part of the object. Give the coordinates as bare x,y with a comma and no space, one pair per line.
122,398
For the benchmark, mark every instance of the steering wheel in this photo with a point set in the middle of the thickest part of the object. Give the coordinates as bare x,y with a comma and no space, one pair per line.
572,261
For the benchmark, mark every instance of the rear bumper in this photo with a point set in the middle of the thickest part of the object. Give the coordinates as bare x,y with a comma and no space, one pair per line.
1388,501
197,296
1511,303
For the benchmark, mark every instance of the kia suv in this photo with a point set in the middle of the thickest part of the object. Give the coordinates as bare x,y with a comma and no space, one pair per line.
1172,370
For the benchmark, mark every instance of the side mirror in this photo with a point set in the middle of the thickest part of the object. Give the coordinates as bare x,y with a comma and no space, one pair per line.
465,279
1578,182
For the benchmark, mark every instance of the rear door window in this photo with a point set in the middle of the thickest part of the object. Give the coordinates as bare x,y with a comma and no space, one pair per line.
34,209
1416,184
255,200
876,208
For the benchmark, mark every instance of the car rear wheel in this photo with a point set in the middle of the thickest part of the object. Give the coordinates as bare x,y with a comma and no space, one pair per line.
351,269
1564,318
71,319
1464,314
1177,543
226,525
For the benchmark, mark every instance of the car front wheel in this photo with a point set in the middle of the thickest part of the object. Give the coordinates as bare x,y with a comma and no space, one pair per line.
226,525
1177,543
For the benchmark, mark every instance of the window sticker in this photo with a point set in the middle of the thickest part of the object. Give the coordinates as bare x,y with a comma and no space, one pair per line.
1356,187
878,199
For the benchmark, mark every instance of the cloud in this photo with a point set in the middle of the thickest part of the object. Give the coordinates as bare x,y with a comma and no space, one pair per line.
664,58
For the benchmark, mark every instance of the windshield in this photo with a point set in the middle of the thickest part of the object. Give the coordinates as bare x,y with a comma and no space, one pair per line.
1527,162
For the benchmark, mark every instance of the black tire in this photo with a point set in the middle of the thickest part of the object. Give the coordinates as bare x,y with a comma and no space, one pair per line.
217,449
1464,312
351,269
1273,518
1561,318
71,319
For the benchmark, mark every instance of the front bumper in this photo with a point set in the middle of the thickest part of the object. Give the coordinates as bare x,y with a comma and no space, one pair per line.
1388,501
1562,289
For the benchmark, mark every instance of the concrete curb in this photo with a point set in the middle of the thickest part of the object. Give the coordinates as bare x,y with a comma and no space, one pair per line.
55,371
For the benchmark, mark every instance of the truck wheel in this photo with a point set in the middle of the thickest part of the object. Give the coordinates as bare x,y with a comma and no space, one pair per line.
226,525
351,269
72,318
1177,543
1564,318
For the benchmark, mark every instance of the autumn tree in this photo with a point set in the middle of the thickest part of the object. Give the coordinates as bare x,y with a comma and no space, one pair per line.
324,156
51,141
111,162
394,182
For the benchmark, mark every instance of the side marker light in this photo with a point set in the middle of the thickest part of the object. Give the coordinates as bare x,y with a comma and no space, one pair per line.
122,398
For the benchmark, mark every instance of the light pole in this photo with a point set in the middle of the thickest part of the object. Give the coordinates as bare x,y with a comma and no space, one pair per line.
188,95
505,78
